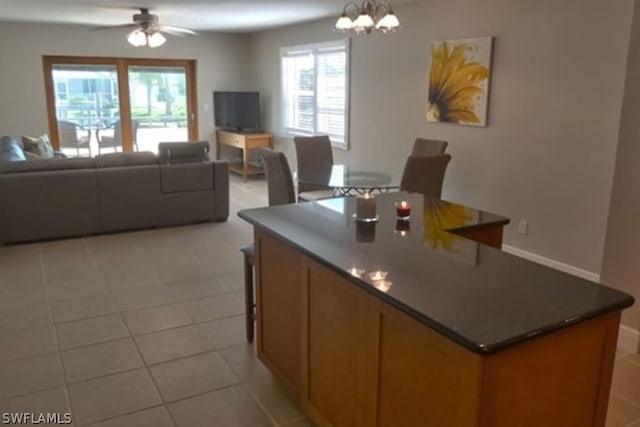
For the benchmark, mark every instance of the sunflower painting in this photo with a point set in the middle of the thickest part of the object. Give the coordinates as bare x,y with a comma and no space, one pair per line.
459,81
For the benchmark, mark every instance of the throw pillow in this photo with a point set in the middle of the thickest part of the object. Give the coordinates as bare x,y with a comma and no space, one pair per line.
30,156
40,146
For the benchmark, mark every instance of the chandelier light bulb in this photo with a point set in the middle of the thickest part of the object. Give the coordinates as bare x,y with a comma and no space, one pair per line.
363,23
388,23
344,23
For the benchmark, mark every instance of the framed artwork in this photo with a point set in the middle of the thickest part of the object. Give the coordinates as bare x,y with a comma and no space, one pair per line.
458,81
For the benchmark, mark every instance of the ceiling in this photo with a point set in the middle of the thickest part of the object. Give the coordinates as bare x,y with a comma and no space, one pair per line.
203,15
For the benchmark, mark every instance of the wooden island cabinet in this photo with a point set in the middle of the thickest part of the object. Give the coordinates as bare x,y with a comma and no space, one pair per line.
357,354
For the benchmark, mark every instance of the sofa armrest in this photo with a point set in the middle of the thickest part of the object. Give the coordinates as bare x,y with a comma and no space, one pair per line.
221,188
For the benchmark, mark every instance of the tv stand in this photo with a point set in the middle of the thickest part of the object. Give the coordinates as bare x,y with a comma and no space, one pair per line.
244,141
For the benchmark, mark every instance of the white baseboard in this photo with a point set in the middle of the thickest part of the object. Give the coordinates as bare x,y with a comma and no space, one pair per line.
589,275
628,338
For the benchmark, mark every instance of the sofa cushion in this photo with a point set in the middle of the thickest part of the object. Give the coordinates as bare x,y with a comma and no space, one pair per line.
183,152
185,177
11,150
40,146
46,165
114,160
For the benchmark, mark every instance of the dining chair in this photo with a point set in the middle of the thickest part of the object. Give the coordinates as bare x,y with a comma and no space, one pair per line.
115,141
73,135
279,182
428,147
425,174
280,192
312,153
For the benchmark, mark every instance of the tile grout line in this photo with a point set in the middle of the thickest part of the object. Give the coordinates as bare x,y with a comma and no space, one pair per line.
60,350
627,400
148,371
123,415
55,334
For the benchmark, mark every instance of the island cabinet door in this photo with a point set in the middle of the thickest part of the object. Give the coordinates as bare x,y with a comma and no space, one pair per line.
424,379
338,350
278,309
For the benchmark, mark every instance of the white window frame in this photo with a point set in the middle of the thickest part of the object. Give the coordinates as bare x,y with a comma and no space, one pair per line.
312,49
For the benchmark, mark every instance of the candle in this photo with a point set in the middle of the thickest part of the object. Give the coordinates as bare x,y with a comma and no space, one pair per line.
355,271
383,285
366,206
378,275
403,209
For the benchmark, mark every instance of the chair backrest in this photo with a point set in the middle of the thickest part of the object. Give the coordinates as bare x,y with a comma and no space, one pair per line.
428,147
68,134
425,174
312,152
279,180
117,131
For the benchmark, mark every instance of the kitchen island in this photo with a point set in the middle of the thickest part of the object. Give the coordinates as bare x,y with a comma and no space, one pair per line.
408,323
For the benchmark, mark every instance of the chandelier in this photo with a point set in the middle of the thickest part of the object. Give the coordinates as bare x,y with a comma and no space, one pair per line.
142,37
370,15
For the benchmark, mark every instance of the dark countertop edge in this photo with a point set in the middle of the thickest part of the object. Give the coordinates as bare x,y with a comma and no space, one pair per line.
477,348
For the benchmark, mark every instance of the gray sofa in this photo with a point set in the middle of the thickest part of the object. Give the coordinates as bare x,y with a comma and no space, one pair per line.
52,198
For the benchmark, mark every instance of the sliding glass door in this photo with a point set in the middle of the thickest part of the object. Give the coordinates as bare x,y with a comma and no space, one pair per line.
158,98
101,105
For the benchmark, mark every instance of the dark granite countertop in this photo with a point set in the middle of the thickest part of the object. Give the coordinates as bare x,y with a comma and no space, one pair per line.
476,295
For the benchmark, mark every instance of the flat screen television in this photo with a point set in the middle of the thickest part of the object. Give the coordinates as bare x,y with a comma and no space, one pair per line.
238,111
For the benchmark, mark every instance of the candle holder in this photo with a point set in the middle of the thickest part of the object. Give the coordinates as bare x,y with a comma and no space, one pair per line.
403,227
366,209
403,210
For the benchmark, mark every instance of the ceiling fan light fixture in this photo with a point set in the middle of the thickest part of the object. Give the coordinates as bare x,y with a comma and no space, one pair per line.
137,38
156,39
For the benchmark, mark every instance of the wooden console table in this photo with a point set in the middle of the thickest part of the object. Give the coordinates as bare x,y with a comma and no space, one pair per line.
458,336
245,141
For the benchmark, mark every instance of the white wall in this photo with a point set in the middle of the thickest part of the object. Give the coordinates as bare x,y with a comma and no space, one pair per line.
222,64
548,153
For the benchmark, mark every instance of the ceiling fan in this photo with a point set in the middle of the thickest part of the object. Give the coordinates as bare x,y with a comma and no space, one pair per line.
147,31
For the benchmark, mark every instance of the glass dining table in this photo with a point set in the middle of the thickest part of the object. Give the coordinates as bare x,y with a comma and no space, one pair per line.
347,180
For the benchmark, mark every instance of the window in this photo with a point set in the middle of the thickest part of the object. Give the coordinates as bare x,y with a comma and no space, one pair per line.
97,105
315,89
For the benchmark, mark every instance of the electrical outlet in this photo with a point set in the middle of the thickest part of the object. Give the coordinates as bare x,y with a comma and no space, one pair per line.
523,227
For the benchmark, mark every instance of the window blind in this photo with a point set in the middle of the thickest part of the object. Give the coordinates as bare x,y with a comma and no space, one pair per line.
315,90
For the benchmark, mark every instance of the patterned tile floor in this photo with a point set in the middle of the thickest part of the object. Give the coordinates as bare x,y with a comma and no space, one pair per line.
146,329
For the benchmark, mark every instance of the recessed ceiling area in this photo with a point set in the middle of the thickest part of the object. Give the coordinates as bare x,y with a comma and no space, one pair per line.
202,15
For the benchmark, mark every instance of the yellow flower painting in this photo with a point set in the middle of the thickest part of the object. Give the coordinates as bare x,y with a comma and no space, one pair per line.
459,81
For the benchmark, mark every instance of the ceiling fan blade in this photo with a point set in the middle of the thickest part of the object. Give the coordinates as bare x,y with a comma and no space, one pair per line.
114,27
176,31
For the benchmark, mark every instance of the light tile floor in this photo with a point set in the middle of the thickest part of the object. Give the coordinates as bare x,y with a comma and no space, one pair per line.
146,329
